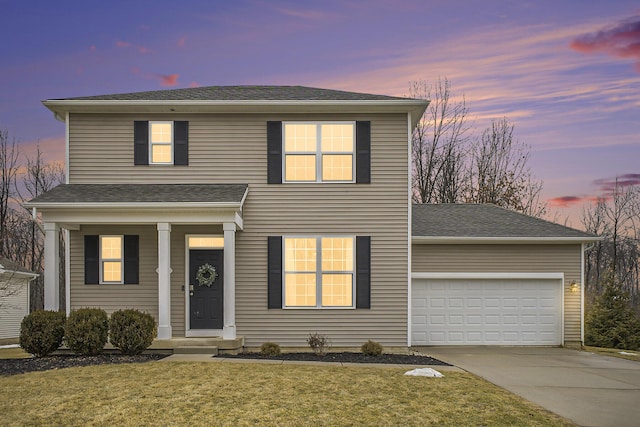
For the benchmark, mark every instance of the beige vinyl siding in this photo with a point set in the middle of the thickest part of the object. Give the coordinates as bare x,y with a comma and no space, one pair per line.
232,149
509,258
143,296
14,304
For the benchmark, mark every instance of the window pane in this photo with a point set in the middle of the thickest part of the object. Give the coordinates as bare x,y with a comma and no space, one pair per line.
206,242
161,132
300,167
300,138
299,254
337,254
337,290
112,271
337,167
300,290
161,153
337,138
111,247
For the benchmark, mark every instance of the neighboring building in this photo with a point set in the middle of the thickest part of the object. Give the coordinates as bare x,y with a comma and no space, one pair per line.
267,212
14,297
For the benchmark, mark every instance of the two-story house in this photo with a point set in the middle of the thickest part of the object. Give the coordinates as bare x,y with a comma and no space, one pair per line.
272,212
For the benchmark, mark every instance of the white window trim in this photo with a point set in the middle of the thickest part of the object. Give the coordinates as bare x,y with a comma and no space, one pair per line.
318,153
319,272
102,260
151,143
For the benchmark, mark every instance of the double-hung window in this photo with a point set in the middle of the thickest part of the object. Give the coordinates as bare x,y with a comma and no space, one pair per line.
318,272
319,152
161,143
111,259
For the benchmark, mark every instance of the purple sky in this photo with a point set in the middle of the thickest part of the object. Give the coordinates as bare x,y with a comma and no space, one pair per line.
566,73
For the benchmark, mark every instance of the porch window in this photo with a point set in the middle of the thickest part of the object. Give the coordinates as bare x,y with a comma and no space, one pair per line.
111,259
319,272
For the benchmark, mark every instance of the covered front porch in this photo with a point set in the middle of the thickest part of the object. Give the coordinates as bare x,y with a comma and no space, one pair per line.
145,246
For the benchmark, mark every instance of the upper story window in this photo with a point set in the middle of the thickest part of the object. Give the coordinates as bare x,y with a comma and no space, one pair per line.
319,152
161,142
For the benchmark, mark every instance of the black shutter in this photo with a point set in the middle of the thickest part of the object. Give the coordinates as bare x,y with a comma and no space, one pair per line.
363,272
181,143
140,143
274,152
275,272
363,152
91,260
131,251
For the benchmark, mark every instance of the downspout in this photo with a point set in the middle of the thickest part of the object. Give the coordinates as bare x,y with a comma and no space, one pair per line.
409,219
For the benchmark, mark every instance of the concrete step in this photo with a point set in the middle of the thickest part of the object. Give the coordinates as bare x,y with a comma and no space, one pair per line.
197,349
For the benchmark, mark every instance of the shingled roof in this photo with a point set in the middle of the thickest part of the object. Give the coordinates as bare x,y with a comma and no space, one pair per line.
241,93
486,221
9,266
141,193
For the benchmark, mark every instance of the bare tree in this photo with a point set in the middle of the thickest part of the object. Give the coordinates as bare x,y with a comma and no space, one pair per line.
616,218
498,172
8,171
438,144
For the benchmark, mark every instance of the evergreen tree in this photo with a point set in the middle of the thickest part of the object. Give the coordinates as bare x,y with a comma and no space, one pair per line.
611,322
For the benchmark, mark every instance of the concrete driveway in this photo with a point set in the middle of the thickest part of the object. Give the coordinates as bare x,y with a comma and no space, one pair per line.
589,389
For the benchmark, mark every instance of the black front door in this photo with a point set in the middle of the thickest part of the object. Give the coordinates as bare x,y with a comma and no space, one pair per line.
205,288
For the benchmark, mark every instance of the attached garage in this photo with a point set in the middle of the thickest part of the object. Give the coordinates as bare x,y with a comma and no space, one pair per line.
484,275
486,311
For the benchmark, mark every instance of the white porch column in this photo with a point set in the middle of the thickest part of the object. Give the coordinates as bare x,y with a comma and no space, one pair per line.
164,280
229,285
51,266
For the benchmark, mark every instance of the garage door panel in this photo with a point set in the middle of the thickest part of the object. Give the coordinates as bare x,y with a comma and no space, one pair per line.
486,312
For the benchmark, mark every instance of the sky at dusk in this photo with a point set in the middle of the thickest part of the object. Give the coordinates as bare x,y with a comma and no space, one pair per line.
566,73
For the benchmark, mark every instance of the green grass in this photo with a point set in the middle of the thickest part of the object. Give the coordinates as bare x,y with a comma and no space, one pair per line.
615,352
238,394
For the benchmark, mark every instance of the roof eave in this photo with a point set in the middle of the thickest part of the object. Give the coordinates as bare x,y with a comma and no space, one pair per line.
62,106
135,205
455,240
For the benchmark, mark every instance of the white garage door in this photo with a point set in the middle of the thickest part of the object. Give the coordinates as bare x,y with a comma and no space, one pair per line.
486,312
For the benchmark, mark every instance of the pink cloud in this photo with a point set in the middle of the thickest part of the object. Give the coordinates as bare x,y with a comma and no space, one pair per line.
568,201
194,84
182,41
168,80
120,43
619,41
92,48
140,49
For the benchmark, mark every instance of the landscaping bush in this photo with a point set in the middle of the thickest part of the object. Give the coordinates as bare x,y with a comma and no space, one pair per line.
86,331
132,331
270,349
41,332
372,348
319,343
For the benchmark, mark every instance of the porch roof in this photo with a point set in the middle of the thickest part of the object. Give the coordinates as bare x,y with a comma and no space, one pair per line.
112,195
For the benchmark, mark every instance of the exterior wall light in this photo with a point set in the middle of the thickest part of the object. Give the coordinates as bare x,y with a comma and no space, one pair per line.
574,287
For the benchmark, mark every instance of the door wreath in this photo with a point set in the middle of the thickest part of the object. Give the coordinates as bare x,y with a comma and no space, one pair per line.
206,275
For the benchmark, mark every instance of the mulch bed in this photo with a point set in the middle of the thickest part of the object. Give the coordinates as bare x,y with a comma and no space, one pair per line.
347,357
20,366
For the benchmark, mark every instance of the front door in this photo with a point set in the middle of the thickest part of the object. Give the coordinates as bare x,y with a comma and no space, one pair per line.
205,288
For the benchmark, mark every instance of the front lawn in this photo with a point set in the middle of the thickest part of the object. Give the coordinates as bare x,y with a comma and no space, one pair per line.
228,393
615,352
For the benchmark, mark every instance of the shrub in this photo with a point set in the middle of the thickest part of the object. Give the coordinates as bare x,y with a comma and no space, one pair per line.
270,349
372,348
319,343
611,322
41,332
86,331
132,331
